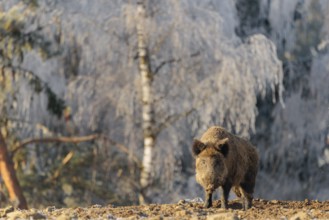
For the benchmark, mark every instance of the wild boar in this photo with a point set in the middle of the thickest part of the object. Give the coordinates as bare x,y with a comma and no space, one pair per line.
225,160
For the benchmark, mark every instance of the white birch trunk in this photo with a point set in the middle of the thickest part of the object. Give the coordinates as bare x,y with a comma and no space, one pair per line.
147,100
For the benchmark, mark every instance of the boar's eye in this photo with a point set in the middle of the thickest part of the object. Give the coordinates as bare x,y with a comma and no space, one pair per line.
217,162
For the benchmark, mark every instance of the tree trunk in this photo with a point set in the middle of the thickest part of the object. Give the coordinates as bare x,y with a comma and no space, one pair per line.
9,177
147,99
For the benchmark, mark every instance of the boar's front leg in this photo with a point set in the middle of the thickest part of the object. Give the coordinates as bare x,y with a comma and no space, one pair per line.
209,190
208,200
225,190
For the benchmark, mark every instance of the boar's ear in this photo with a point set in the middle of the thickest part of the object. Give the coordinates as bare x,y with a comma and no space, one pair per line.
222,146
197,147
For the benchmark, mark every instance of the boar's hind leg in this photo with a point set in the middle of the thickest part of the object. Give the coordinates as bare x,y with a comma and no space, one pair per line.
247,190
225,190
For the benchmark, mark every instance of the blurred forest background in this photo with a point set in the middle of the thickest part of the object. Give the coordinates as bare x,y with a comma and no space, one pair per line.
74,104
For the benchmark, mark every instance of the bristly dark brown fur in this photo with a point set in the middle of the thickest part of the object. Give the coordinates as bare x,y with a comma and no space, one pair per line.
225,160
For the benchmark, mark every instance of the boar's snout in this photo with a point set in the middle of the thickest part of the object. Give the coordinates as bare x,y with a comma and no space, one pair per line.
210,172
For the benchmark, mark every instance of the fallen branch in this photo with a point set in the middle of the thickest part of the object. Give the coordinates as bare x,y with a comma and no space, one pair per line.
75,139
55,140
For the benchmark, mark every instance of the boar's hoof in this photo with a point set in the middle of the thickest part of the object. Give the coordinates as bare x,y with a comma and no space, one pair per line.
246,205
224,206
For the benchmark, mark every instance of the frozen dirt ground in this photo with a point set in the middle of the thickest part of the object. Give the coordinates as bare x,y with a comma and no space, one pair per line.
262,209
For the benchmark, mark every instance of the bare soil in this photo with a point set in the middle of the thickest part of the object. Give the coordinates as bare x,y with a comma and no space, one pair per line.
262,209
